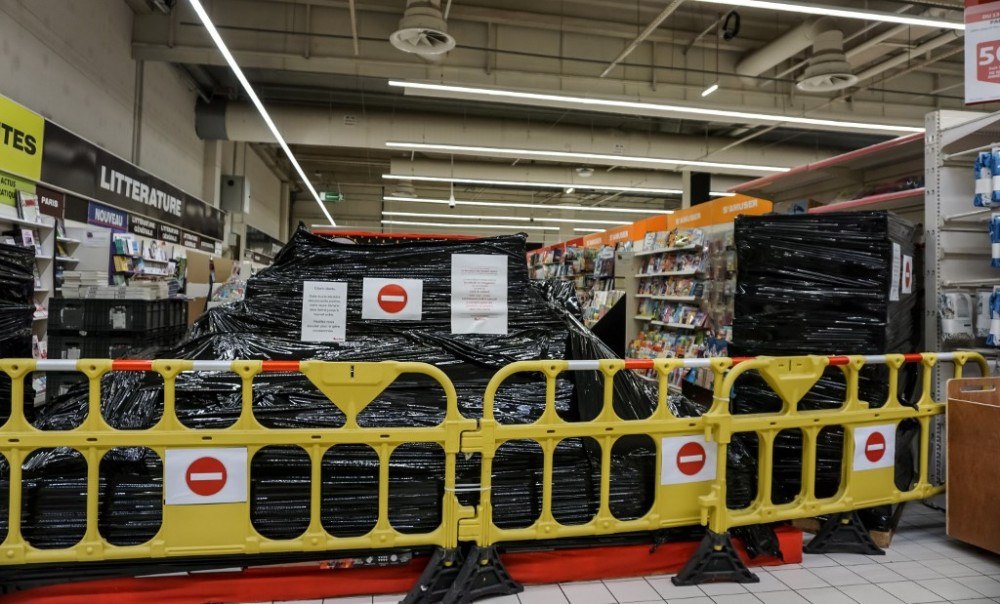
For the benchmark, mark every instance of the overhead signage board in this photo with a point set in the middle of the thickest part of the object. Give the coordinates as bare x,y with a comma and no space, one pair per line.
102,215
982,51
77,165
22,132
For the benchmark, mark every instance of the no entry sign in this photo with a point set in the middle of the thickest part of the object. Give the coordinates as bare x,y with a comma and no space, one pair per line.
392,299
203,476
691,458
687,459
206,476
874,447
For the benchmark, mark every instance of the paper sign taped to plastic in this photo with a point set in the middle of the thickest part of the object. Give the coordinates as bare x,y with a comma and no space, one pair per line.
205,476
392,299
897,252
687,459
324,311
906,285
479,294
874,447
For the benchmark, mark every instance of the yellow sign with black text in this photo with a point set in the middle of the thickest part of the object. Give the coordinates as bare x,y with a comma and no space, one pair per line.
21,134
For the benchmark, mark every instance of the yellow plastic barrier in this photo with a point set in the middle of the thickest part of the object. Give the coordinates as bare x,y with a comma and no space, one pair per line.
676,503
691,455
189,528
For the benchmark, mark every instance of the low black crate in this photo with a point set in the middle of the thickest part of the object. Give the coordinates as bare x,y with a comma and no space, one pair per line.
83,345
108,315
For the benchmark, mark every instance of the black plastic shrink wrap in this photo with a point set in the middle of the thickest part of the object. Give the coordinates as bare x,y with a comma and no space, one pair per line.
542,324
820,284
17,287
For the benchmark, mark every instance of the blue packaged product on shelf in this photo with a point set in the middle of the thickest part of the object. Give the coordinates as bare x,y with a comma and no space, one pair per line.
994,338
983,168
995,239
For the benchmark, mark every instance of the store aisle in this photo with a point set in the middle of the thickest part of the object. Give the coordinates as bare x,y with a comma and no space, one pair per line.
923,566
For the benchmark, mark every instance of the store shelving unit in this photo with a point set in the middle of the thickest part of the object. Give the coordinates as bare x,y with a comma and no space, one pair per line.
45,236
851,174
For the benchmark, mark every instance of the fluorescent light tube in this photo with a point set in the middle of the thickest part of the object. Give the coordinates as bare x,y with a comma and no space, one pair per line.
228,56
533,206
589,230
844,13
709,90
493,151
612,104
511,218
540,185
512,227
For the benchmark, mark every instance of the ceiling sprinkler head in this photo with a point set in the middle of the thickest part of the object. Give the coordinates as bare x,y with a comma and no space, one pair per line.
585,171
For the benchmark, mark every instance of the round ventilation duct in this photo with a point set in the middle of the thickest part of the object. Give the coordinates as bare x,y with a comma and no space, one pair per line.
828,69
403,188
423,30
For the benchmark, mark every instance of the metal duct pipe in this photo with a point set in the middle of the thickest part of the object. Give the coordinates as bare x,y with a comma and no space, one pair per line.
788,45
900,59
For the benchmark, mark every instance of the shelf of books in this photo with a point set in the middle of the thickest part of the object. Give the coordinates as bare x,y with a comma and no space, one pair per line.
134,260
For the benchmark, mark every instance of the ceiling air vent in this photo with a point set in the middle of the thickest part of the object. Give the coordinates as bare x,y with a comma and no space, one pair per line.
422,30
828,69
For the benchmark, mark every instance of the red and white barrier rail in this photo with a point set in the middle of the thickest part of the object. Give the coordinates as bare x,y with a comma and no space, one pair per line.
588,365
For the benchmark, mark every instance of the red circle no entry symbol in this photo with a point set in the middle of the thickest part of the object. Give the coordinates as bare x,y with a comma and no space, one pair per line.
875,447
907,274
691,459
392,298
206,476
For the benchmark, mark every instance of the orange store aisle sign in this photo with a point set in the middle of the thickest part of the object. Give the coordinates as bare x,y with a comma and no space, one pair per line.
728,208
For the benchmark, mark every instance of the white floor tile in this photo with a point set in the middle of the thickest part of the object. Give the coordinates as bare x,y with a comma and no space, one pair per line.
839,575
627,591
817,560
869,594
949,589
914,571
877,573
852,559
799,578
950,568
743,598
722,589
781,597
825,595
669,592
985,585
910,592
396,598
698,600
511,599
542,594
767,582
591,592
348,600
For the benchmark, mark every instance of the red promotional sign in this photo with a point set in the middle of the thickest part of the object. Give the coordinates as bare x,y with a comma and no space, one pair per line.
206,476
691,458
392,298
875,447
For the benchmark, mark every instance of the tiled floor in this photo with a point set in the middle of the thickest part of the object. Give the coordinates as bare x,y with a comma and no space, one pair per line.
921,567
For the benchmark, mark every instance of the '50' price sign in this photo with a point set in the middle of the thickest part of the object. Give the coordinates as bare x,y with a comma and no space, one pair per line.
988,61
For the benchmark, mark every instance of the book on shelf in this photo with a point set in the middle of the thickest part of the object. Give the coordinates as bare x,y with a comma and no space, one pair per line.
28,239
27,206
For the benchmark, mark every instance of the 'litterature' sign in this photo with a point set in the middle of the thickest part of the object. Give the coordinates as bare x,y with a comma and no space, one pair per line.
81,167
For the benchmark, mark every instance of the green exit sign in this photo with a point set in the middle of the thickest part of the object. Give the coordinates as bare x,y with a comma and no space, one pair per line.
331,196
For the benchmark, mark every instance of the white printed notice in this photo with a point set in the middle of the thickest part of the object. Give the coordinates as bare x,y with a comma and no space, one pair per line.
324,311
479,294
897,262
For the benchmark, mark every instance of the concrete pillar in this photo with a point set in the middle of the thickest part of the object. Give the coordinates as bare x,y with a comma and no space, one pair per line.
696,187
212,172
284,211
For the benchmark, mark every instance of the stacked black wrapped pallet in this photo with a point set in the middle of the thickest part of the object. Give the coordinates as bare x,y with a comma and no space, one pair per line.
17,288
826,284
543,323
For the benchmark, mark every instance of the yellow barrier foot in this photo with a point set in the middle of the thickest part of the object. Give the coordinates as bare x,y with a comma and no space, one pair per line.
459,576
843,534
715,561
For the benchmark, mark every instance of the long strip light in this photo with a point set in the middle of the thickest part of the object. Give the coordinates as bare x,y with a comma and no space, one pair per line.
588,230
845,13
544,185
511,218
516,227
493,151
228,56
612,104
532,206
